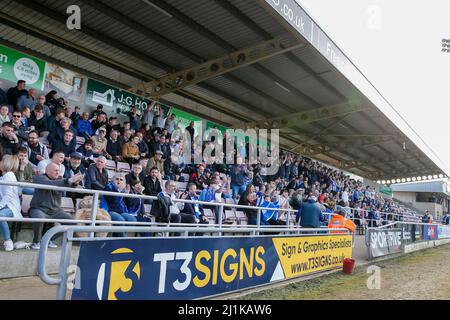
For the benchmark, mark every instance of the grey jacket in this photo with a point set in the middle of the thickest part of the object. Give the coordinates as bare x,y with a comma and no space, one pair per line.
46,200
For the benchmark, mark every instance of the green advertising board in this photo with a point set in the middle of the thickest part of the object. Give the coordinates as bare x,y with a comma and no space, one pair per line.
183,119
114,100
15,66
386,191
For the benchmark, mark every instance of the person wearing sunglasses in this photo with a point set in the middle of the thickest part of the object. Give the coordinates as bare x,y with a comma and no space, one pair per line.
19,128
117,207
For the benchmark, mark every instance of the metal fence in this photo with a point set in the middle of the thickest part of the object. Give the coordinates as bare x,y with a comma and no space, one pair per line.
221,206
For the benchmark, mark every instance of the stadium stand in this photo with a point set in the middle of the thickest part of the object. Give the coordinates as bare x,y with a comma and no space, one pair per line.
226,184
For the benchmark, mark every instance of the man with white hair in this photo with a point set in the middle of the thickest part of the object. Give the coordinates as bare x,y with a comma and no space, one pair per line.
47,203
97,176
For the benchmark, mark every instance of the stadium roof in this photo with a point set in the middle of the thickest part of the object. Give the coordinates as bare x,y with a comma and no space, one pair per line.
439,186
238,63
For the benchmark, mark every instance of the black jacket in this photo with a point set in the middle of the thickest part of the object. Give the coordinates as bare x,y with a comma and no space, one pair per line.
39,125
14,94
152,188
189,208
9,147
96,180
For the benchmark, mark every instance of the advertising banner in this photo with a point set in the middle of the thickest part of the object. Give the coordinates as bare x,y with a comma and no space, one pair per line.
69,85
384,242
430,232
183,119
15,66
443,232
162,269
412,233
114,100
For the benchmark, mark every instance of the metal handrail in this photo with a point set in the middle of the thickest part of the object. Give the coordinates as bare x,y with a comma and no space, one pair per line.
128,195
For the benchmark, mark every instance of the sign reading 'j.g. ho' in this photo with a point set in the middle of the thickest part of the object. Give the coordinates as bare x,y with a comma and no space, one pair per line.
384,242
160,269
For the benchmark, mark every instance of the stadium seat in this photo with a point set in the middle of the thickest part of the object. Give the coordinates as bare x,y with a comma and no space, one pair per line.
123,167
110,165
67,205
242,218
111,174
181,186
229,217
80,141
185,176
230,201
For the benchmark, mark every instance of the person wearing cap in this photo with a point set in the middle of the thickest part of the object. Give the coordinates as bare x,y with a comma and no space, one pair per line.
75,167
339,221
156,162
97,111
130,151
99,142
310,214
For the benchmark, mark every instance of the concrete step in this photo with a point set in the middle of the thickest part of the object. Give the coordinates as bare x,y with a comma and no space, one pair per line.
23,263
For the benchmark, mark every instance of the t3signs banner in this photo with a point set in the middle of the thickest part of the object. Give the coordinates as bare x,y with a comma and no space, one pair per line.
384,242
162,269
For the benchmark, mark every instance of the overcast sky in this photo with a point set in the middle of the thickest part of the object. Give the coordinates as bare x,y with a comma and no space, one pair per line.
397,44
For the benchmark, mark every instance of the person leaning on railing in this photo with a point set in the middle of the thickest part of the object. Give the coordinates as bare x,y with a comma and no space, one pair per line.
47,203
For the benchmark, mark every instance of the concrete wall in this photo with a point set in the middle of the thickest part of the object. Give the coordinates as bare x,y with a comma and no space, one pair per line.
406,197
435,209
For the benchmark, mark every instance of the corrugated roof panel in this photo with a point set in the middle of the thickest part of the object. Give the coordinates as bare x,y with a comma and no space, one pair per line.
260,16
214,18
170,28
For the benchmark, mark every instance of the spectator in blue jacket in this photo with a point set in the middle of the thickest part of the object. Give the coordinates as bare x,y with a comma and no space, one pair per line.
311,214
85,126
117,208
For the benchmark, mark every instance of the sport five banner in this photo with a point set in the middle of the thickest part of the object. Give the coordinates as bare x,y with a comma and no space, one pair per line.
161,269
384,242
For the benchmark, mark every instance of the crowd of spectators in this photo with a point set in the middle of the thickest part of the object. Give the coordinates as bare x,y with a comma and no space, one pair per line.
42,133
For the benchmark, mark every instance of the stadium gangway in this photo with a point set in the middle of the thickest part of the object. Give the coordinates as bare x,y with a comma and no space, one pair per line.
68,232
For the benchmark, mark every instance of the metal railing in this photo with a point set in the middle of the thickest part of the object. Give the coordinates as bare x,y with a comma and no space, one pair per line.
221,205
95,205
61,280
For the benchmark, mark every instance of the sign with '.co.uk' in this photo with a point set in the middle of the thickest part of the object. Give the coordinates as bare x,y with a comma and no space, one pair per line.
192,268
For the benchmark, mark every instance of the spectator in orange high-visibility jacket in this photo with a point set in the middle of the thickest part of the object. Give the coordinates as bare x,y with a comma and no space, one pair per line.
339,221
